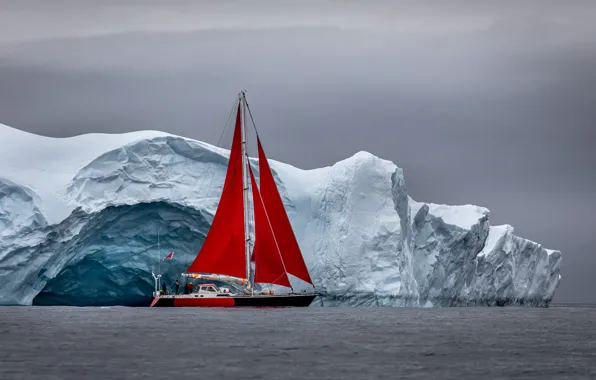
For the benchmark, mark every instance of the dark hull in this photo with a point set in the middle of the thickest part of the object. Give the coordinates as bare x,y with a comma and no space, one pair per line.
290,300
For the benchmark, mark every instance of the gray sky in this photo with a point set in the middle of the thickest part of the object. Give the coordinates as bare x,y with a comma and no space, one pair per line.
478,103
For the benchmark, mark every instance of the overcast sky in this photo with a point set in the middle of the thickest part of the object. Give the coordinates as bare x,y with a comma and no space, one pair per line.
479,103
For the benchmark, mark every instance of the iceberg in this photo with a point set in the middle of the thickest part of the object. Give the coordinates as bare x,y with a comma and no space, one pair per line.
80,218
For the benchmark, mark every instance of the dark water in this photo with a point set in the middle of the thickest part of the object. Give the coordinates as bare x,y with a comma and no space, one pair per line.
312,343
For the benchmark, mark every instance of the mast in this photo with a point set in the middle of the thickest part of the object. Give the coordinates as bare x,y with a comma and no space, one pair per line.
245,164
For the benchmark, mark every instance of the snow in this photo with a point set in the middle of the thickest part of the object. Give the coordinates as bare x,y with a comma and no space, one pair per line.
464,216
88,208
46,164
495,234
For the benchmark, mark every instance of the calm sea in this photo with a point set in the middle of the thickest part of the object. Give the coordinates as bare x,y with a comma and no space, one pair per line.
311,343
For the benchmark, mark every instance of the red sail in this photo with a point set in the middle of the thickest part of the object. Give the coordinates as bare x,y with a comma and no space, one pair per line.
223,251
282,229
269,267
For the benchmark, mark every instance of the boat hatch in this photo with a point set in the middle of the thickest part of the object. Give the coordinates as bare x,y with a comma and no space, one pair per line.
209,288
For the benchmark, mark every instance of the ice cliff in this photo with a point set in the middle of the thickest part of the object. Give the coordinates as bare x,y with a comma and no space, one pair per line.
79,219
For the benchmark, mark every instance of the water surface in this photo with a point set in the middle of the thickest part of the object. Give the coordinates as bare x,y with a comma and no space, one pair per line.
302,343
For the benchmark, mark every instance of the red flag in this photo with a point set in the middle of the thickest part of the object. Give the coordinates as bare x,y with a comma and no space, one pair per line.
169,256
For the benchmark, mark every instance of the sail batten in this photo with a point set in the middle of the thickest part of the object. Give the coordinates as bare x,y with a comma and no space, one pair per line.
223,251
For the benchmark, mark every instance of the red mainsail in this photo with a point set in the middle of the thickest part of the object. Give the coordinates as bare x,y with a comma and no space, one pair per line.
223,250
279,221
269,267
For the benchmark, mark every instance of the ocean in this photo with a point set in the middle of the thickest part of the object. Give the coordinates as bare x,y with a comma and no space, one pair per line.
301,343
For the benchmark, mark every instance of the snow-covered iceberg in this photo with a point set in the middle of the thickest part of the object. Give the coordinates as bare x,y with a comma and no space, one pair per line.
79,219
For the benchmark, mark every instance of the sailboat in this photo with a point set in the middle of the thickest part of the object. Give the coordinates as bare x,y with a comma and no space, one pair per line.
226,255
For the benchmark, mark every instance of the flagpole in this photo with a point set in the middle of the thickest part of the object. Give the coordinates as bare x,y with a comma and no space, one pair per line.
159,250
